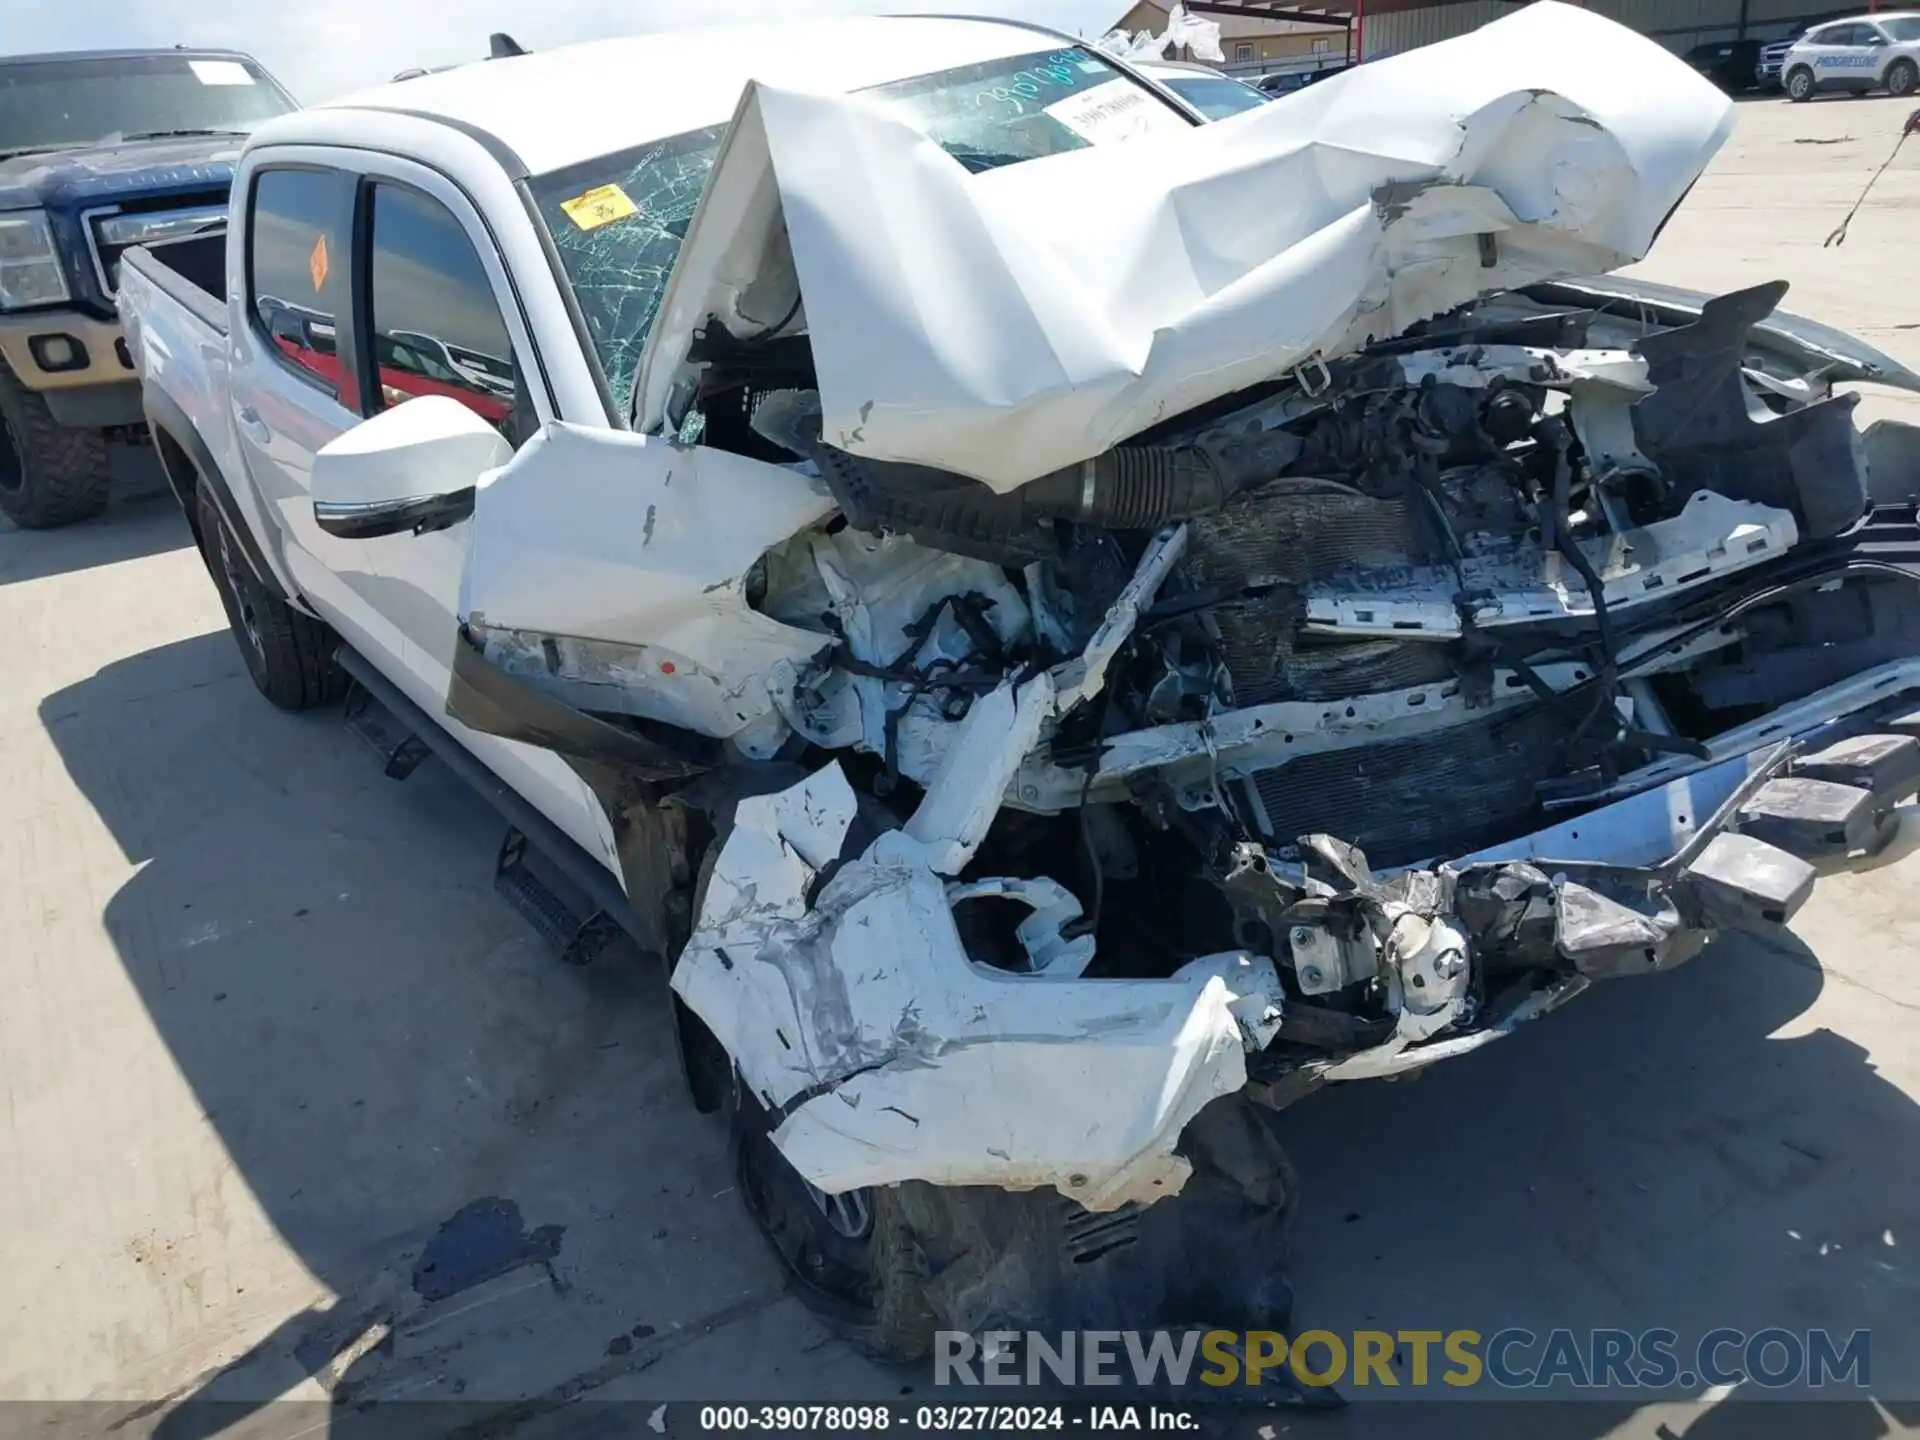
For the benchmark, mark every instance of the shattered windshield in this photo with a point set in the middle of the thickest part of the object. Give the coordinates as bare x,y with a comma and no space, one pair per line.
618,221
90,99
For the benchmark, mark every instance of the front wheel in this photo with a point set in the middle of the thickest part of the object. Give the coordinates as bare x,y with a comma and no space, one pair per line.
289,655
1800,86
1903,78
49,475
852,1257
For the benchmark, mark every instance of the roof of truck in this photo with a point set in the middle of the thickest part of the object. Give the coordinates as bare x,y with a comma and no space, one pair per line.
557,107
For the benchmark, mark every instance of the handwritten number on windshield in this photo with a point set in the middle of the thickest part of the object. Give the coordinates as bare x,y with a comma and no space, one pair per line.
1017,89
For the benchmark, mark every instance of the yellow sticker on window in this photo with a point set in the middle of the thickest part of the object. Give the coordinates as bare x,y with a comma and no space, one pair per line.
317,263
601,206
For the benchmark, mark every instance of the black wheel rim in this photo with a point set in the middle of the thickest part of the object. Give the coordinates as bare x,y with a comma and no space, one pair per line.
243,607
807,1230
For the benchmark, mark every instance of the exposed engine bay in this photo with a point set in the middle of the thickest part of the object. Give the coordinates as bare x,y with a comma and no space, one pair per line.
1319,737
1449,592
1023,839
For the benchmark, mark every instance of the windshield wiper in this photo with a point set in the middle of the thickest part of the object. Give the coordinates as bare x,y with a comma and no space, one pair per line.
172,134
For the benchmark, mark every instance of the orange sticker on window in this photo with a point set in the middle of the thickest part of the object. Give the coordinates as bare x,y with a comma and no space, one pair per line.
601,206
317,264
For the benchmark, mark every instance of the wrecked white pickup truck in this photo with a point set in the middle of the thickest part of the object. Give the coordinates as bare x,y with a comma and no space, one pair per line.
1063,627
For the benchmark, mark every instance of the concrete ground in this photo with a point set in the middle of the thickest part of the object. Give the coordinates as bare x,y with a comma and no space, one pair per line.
282,1075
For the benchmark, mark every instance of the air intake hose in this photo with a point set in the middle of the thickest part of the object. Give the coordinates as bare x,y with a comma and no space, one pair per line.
1133,487
1137,487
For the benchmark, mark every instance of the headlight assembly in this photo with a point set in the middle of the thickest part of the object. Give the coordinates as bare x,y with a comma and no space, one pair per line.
30,269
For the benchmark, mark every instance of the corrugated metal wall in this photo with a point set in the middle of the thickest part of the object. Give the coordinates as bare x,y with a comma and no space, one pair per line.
1677,24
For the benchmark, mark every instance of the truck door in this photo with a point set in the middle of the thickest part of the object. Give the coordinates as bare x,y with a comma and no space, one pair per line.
290,386
427,293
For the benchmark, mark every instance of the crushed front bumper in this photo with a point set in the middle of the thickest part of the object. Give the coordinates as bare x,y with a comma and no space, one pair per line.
882,1051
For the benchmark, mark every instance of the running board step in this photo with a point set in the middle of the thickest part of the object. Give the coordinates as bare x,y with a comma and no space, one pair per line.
562,914
399,749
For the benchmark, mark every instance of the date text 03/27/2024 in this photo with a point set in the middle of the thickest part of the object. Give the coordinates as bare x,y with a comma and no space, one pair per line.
936,1419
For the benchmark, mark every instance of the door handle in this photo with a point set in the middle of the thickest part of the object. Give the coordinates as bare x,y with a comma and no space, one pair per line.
249,421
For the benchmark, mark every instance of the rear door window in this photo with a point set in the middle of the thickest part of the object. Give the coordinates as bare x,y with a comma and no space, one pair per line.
297,271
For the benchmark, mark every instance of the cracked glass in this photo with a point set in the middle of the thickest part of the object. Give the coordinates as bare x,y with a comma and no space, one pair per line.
618,221
618,256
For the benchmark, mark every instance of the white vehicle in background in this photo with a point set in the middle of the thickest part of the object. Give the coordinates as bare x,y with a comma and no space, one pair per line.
1213,94
1857,56
456,364
1073,631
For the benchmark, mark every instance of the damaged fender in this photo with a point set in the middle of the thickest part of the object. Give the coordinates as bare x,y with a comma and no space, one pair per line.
610,570
884,1053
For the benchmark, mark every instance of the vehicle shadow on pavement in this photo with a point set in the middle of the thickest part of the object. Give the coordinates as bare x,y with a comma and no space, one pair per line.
464,1141
1669,1152
488,1158
141,519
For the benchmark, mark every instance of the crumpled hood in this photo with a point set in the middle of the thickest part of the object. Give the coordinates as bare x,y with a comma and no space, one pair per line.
69,177
1007,324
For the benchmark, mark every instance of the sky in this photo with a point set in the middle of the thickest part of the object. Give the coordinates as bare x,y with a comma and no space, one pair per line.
323,48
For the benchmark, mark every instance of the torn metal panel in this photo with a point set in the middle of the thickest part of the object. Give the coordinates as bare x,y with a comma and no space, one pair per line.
642,546
1008,324
1710,538
885,1053
1197,755
1043,934
966,790
1385,1060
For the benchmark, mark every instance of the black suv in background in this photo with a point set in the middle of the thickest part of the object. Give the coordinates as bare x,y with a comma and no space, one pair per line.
1730,64
99,151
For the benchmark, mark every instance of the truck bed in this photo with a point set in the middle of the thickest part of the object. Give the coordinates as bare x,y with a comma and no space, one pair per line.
192,271
173,305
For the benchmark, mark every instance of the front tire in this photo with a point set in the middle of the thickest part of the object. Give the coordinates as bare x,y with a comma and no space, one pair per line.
1800,86
289,655
852,1257
49,475
1903,78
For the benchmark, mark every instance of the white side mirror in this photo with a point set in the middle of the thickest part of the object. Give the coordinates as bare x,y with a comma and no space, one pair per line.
409,468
